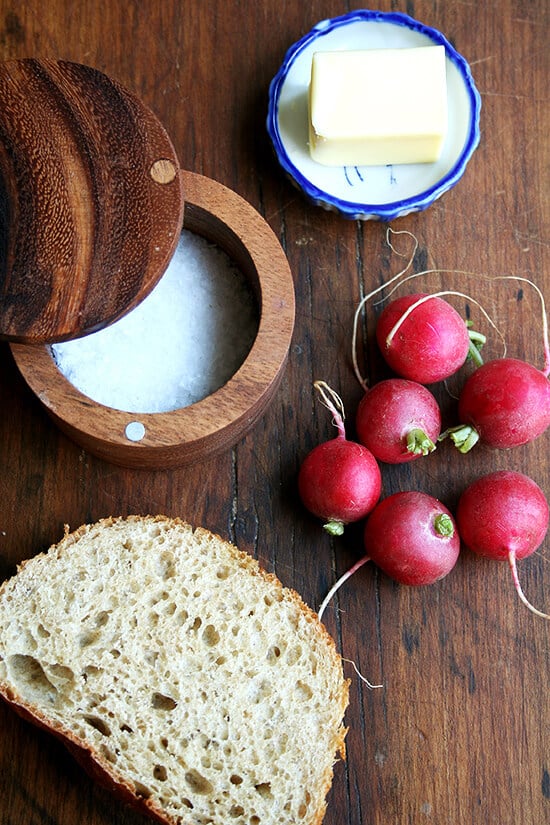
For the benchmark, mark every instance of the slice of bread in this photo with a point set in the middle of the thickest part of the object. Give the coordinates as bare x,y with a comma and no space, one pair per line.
180,673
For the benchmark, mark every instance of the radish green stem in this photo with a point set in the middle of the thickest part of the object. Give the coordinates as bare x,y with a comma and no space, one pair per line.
339,583
463,436
335,528
419,443
526,602
477,339
443,525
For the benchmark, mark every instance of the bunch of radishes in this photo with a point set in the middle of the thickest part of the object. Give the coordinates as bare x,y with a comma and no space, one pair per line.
504,403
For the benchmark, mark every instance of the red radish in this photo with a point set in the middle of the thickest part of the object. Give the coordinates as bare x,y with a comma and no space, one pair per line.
424,339
412,537
398,420
504,403
504,516
339,480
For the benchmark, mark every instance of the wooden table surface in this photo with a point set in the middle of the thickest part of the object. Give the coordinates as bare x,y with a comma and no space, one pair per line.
459,733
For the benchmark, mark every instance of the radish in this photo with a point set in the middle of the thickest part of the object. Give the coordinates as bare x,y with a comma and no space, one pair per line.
424,338
412,537
339,480
398,420
432,345
504,516
503,404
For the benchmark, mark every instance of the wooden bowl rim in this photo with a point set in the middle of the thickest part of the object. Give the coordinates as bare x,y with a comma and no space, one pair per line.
238,403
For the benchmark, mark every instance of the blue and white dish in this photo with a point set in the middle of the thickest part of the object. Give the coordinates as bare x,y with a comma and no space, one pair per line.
370,192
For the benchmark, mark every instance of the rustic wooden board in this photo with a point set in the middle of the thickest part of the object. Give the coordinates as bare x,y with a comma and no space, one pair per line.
459,732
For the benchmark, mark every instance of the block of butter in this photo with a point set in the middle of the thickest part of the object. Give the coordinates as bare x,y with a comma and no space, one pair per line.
379,106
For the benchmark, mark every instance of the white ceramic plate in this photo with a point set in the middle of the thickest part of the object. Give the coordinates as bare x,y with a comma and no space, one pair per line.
370,192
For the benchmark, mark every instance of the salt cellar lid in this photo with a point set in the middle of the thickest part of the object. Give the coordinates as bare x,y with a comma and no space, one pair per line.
91,202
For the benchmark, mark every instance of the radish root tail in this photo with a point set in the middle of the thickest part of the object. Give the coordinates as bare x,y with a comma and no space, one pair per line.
363,678
339,583
334,403
526,602
474,336
401,277
545,339
366,298
327,599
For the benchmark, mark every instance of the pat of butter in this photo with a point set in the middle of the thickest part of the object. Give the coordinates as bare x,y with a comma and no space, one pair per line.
379,106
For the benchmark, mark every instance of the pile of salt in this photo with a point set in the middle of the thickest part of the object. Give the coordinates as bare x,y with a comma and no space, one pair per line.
183,342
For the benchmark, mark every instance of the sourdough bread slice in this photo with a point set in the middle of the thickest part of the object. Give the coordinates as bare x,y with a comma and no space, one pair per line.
180,673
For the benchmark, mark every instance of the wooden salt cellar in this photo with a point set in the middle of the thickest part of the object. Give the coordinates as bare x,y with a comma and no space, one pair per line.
92,208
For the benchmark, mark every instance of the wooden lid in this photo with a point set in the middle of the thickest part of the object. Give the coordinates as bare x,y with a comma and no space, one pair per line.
91,203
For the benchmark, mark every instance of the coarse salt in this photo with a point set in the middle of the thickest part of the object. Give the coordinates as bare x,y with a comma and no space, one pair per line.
182,343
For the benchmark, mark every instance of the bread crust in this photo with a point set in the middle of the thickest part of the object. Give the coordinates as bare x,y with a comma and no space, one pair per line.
96,766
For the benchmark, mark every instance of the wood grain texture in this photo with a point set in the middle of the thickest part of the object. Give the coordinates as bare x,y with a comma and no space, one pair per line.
91,207
460,731
217,422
